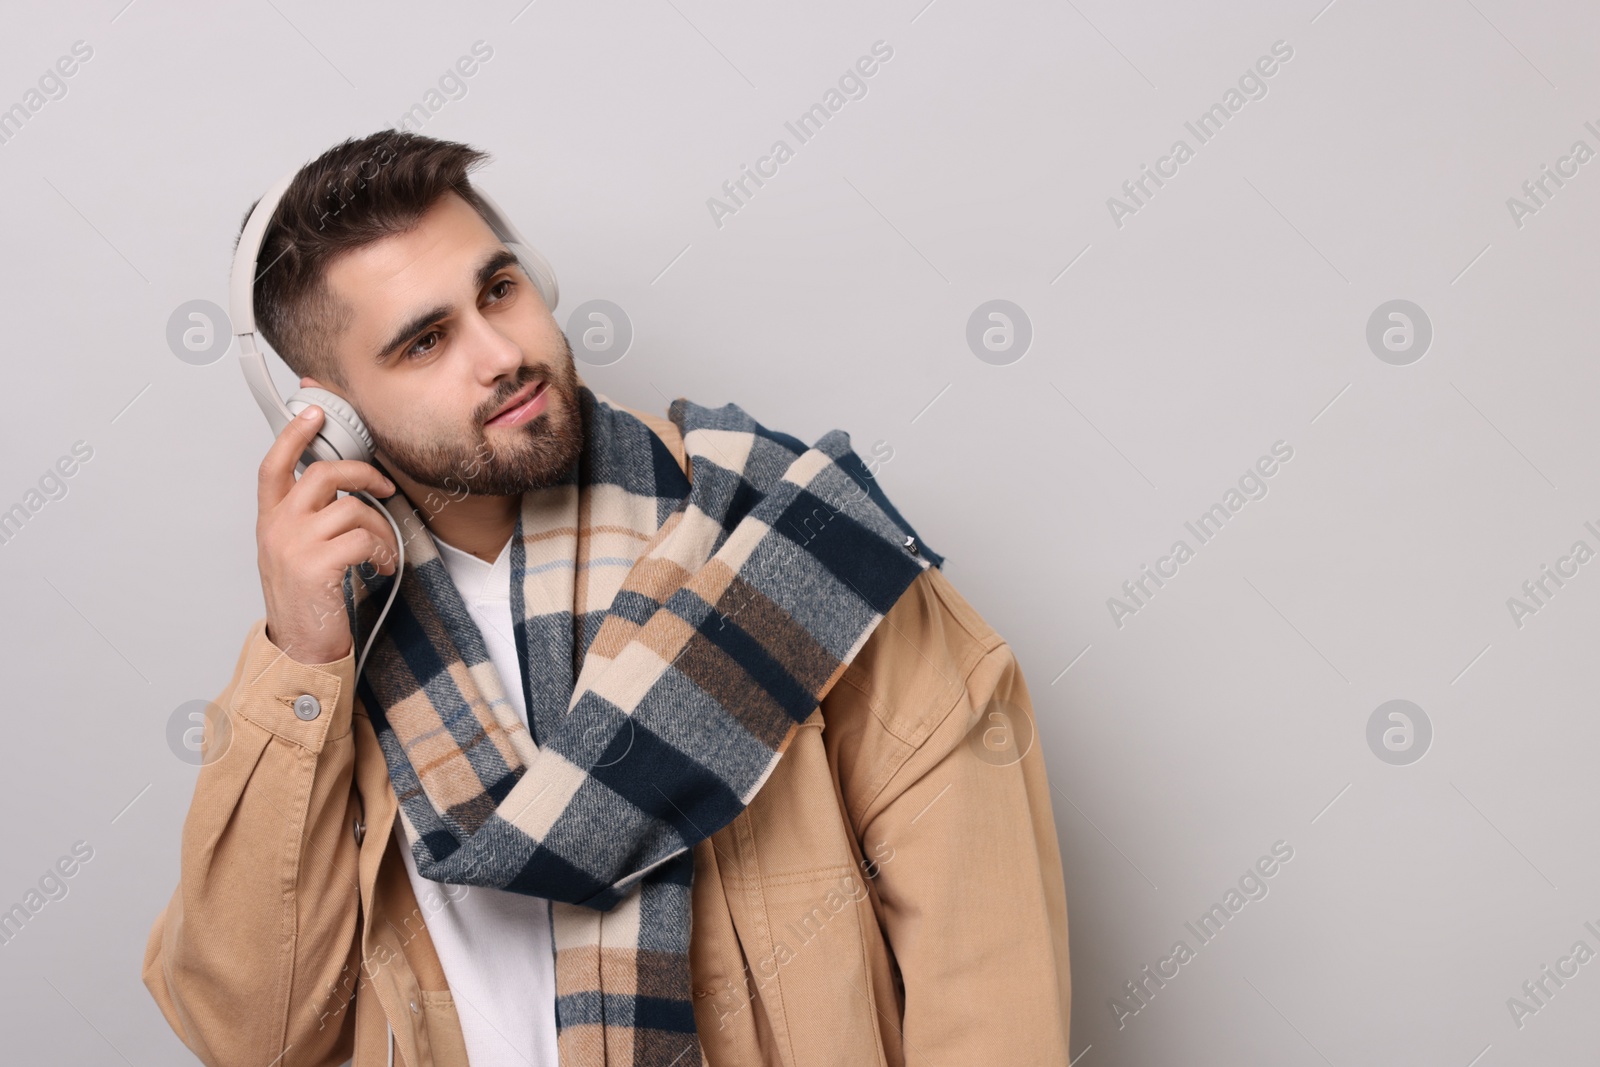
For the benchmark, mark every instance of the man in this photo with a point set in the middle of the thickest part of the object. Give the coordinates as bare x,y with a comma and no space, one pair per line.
889,891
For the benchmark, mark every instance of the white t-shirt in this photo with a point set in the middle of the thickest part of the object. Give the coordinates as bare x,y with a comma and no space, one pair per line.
494,945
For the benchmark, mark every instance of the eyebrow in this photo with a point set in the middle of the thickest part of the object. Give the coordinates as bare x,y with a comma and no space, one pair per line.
497,261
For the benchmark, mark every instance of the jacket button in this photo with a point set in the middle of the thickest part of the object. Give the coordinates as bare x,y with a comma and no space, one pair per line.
911,545
307,707
414,1007
360,829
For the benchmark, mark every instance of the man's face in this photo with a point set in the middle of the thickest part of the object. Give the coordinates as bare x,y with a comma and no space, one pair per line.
446,331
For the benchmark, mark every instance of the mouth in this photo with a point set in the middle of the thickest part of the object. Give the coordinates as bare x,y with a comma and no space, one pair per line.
527,403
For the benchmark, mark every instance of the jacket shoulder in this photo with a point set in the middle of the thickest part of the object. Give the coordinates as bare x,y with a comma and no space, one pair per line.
910,674
913,666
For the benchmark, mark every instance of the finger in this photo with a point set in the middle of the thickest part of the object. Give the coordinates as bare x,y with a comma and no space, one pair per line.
350,513
320,484
276,476
353,548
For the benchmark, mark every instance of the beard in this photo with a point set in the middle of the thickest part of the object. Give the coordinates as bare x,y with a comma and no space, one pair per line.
537,454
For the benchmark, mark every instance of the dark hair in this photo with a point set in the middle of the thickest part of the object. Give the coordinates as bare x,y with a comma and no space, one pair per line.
355,193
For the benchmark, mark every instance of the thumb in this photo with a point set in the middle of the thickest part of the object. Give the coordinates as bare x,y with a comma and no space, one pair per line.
308,421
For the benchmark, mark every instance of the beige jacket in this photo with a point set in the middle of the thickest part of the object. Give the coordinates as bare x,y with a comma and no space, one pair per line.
893,895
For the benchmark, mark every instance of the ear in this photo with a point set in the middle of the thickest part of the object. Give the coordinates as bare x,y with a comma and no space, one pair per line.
309,381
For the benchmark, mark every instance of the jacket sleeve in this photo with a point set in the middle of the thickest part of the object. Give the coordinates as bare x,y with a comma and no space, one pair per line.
257,952
962,836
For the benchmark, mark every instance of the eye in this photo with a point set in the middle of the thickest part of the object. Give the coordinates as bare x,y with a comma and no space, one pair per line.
509,283
415,350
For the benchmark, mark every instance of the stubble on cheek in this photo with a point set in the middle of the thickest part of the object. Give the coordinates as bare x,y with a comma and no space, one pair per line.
497,461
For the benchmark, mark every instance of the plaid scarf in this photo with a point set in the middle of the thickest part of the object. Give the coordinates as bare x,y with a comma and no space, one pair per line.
672,636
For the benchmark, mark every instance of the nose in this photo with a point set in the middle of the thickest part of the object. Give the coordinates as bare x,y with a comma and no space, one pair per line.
494,354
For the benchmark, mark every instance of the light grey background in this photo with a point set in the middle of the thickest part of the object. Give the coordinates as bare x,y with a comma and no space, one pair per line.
1168,354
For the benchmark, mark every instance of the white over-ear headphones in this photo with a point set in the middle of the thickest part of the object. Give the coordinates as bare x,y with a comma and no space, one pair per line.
343,434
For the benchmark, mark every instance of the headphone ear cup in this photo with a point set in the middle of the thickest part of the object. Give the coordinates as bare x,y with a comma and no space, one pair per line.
343,435
539,270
